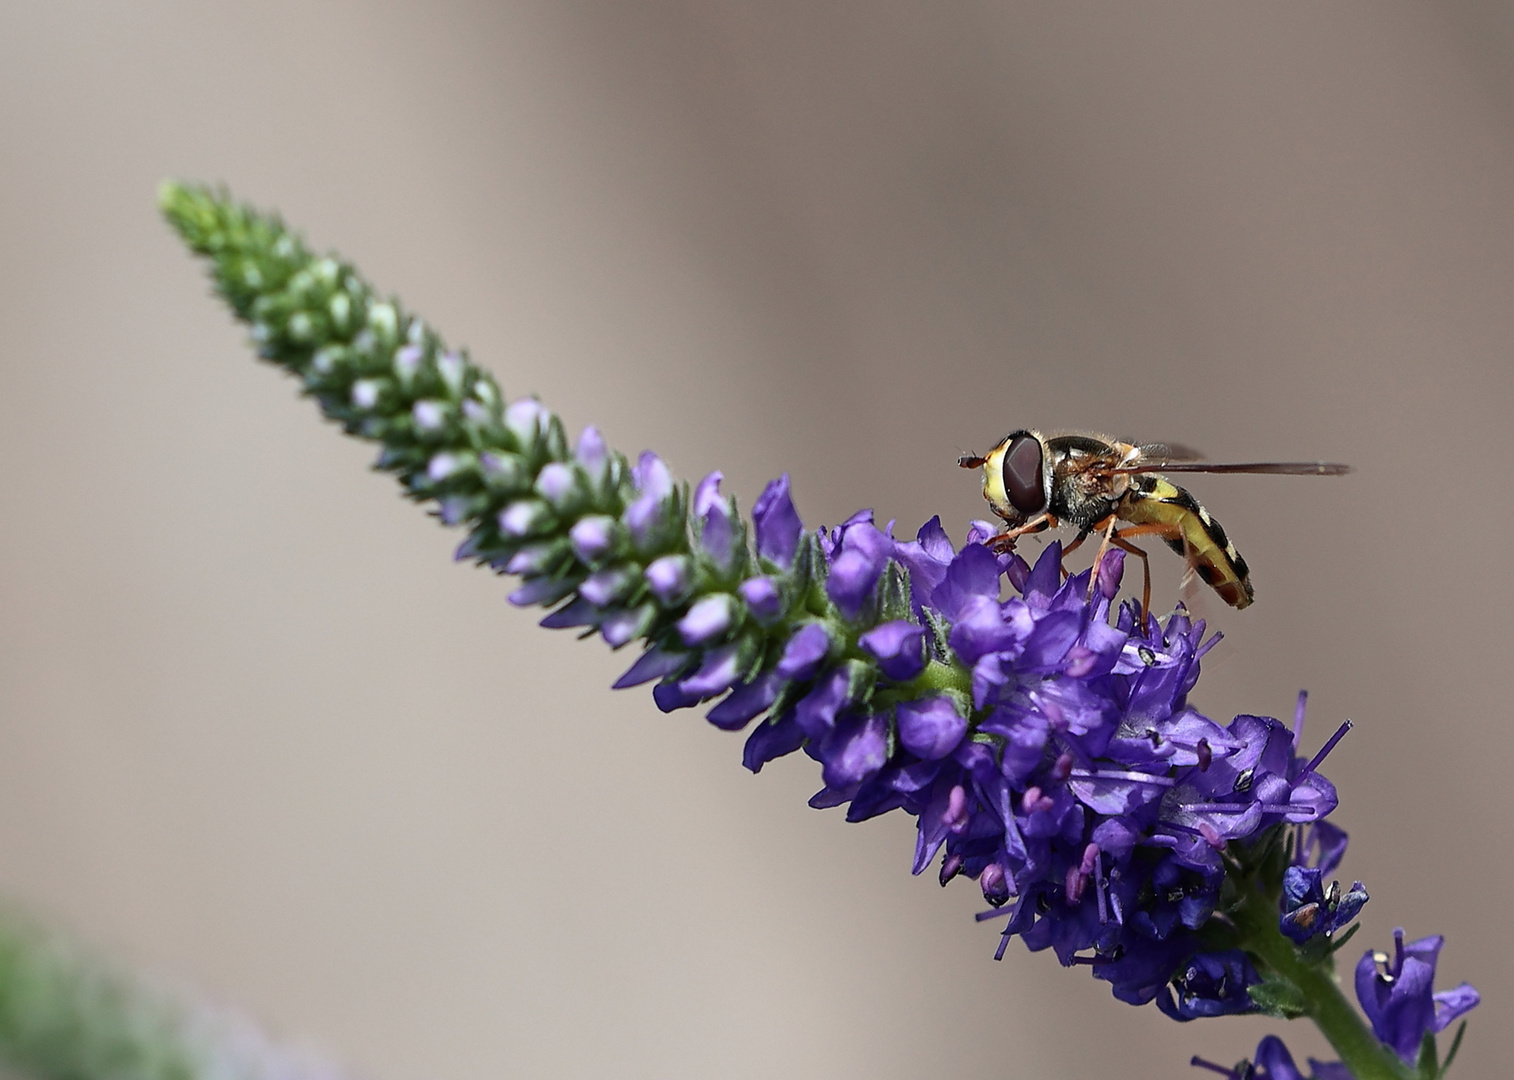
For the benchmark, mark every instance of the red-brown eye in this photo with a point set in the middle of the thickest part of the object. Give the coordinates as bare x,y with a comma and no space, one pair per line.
1024,474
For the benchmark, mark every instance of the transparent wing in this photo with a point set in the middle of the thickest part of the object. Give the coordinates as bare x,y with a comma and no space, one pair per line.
1274,468
1154,452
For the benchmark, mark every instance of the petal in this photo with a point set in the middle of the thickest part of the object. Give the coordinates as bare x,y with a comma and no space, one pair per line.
777,523
854,751
899,647
772,740
931,727
805,651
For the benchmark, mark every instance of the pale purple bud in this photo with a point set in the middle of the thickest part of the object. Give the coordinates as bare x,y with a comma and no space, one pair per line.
429,415
526,419
558,484
504,470
593,537
535,558
604,587
652,476
526,517
655,483
709,618
442,466
592,453
407,360
453,509
365,393
451,367
719,671
707,494
668,578
762,598
627,625
855,571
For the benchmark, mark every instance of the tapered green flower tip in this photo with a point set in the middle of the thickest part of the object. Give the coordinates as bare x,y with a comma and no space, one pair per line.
194,211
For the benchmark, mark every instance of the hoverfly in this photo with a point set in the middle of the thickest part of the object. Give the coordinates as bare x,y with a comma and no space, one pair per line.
1090,482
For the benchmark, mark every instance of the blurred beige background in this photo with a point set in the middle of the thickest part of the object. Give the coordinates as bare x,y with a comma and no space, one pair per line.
261,733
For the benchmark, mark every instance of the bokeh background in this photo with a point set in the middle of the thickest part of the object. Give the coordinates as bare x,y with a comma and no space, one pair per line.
257,731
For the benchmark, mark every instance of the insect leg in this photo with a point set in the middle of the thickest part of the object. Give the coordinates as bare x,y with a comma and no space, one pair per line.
1070,548
1093,577
1005,541
1160,529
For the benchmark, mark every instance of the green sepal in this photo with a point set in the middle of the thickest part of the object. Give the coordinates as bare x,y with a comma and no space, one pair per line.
788,696
1455,1048
861,680
894,595
504,473
811,569
938,635
1279,997
1338,943
571,504
1428,1065
748,655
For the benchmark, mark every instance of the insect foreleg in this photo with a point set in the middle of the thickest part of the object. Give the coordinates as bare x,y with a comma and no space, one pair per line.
1005,541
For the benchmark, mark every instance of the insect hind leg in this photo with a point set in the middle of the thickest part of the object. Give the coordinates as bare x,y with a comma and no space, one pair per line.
1170,533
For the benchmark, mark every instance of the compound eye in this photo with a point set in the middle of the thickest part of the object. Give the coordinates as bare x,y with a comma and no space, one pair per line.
1024,474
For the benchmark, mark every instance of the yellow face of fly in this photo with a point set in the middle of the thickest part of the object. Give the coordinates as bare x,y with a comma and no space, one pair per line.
993,483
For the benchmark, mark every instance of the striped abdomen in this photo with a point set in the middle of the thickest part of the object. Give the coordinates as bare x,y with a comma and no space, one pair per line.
1155,500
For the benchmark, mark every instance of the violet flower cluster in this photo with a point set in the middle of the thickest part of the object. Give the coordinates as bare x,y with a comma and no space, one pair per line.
1039,733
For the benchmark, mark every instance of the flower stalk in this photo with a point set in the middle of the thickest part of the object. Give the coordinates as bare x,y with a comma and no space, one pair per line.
1044,742
1319,990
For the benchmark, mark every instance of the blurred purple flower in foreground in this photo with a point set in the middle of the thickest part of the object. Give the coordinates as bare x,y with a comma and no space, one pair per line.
1398,995
1274,1062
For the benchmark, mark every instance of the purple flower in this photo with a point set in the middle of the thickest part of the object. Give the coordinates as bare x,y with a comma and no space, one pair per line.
763,598
1310,910
777,523
1211,984
1273,1062
593,537
647,515
592,454
709,618
717,518
805,652
861,553
669,576
1043,739
899,648
1397,994
930,728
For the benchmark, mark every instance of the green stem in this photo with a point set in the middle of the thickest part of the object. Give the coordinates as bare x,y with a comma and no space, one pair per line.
1340,1023
938,676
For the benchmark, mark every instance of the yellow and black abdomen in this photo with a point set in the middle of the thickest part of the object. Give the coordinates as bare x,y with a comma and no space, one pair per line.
1155,500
